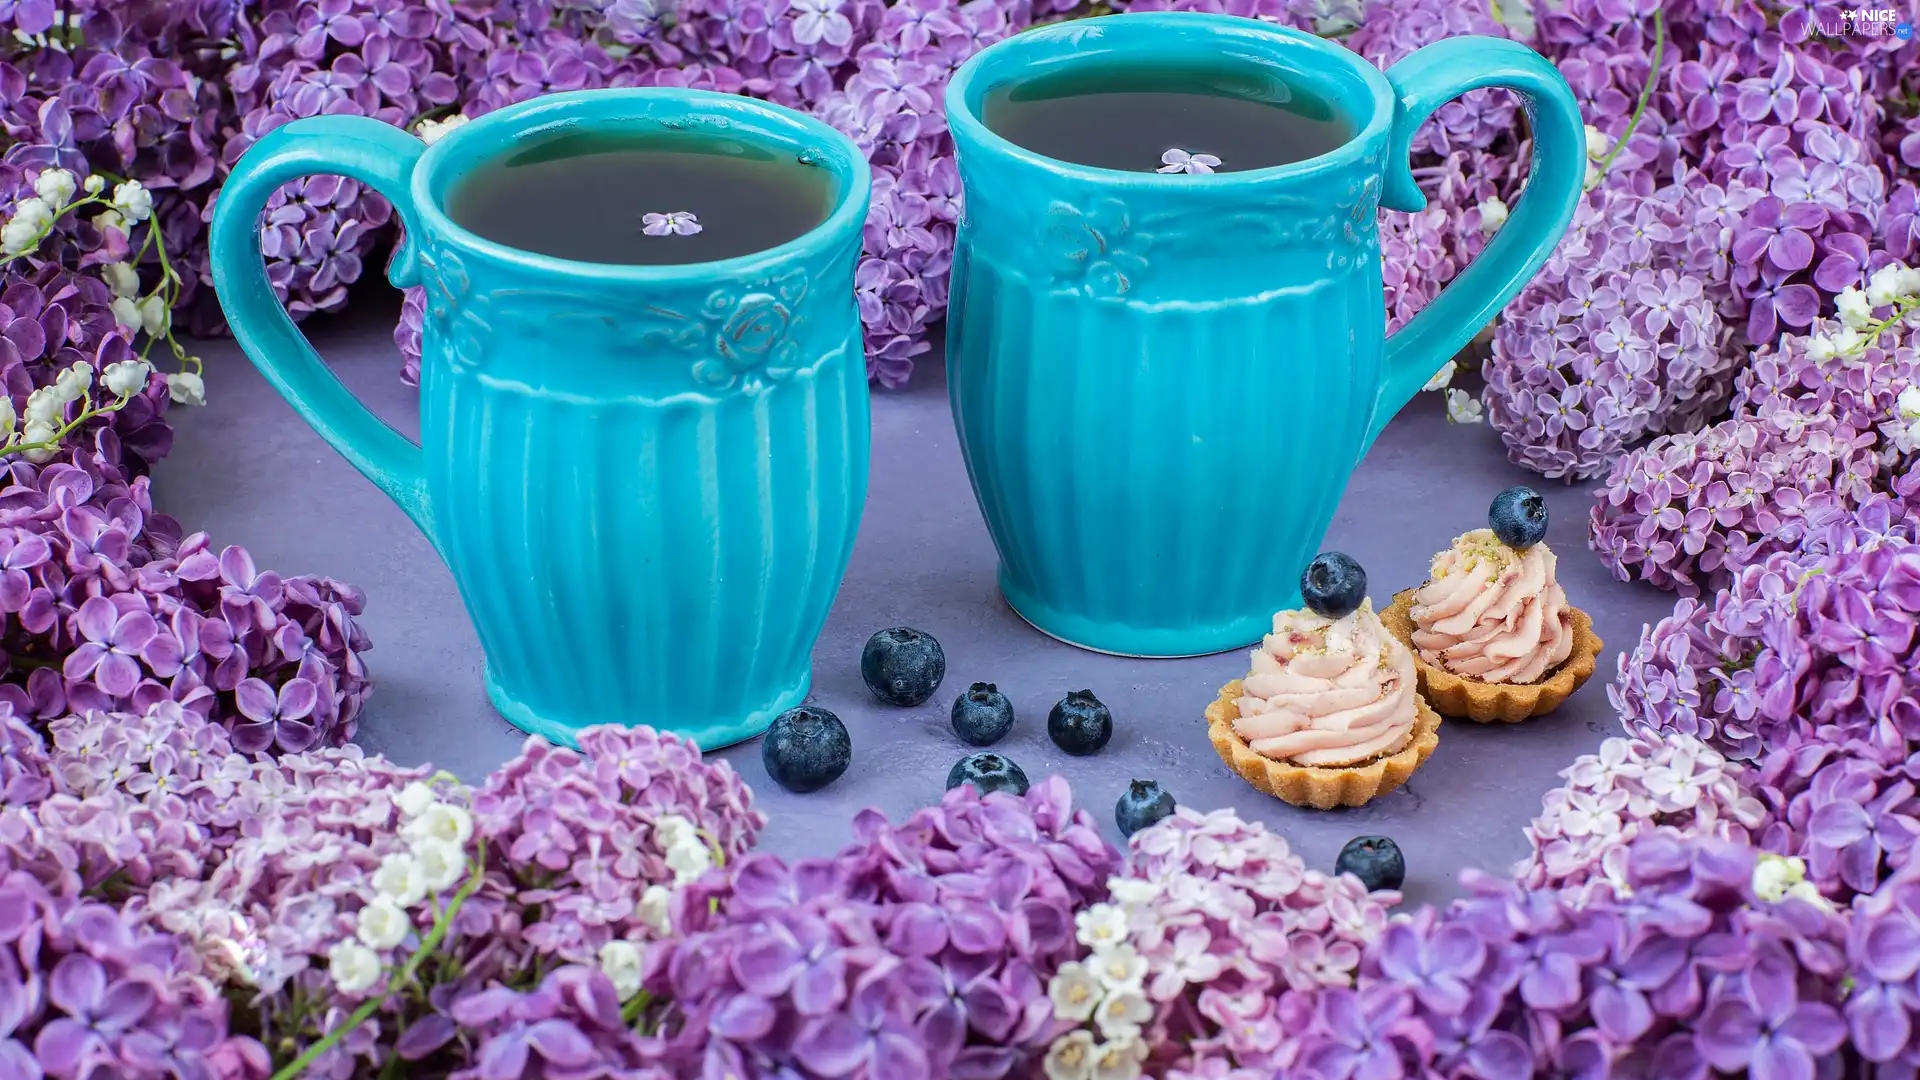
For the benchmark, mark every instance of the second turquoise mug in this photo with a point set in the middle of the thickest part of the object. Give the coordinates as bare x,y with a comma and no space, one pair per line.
645,479
1162,382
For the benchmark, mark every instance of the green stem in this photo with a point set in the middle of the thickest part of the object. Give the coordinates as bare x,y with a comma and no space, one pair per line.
1646,92
441,926
87,412
630,1012
1901,309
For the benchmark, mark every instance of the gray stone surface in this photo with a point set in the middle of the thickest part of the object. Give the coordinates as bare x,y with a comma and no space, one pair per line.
248,471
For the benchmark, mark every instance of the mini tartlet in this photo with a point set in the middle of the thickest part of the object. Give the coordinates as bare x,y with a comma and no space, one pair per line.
1329,714
1492,635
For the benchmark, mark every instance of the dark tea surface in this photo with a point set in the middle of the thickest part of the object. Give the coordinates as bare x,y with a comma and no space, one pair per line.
623,199
1166,118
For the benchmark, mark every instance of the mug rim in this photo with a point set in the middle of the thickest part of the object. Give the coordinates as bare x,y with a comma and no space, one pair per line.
613,107
1000,63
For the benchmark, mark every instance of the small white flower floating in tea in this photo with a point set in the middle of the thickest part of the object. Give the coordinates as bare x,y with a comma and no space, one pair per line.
1179,161
677,223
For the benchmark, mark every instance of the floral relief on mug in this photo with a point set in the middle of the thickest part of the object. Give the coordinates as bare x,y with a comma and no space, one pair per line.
458,316
747,335
1095,251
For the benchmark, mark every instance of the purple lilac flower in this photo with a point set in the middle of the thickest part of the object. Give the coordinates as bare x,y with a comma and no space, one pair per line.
81,988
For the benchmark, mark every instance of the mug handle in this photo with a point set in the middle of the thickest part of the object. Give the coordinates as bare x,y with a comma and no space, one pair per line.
1424,81
382,157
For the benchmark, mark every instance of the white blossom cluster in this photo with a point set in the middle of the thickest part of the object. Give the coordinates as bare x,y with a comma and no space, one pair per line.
437,833
1108,989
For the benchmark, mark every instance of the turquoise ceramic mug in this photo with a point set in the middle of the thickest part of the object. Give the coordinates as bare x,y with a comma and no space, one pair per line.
645,479
1162,383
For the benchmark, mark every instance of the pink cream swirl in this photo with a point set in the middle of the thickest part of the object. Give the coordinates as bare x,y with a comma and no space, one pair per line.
1328,692
1491,613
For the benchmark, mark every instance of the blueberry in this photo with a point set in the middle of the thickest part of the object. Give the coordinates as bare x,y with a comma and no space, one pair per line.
1143,803
902,666
988,772
806,749
1375,860
1079,723
1333,585
982,716
1518,517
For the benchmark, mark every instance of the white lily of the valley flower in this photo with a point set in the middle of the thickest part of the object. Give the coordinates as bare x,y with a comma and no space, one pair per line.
442,864
383,924
1101,926
186,388
1177,160
1855,309
415,799
1464,408
121,278
1907,405
1122,1015
1075,992
432,131
672,829
656,909
155,318
1132,891
353,966
1070,1057
94,185
111,221
21,233
441,821
1809,892
620,960
689,859
126,377
1493,214
1442,377
398,879
1120,968
73,383
56,186
133,200
44,406
1887,285
7,418
1910,281
1848,341
37,432
1820,347
1774,875
1119,1059
126,312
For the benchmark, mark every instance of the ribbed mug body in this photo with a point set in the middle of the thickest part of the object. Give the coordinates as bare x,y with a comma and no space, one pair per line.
1162,383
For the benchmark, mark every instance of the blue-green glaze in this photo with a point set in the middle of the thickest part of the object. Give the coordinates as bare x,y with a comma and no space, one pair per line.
645,479
1162,383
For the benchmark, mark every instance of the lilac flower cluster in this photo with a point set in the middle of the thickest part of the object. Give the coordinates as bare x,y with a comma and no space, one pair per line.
922,950
594,837
1715,958
83,992
1661,781
305,880
1615,341
1818,423
1809,645
105,607
1214,921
